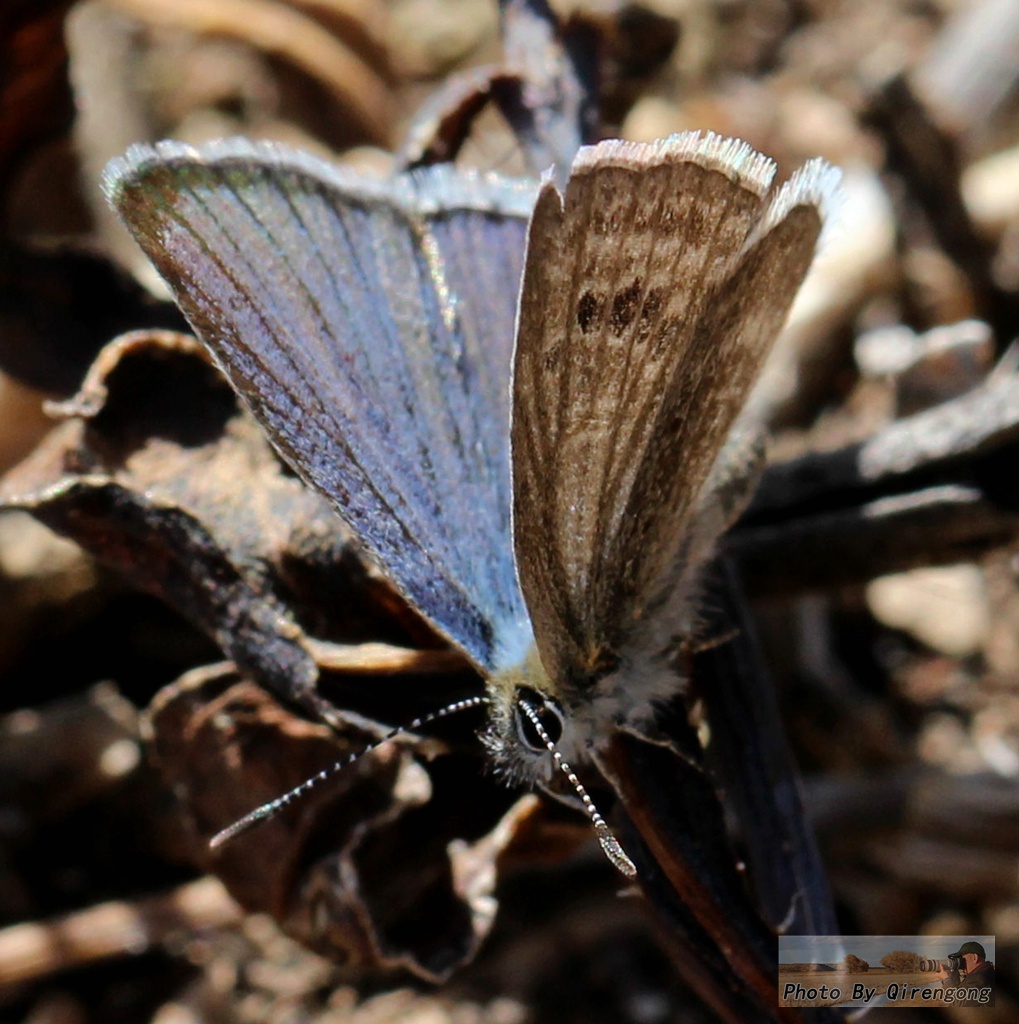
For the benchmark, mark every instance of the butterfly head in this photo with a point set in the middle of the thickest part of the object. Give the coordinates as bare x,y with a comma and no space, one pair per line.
532,732
525,715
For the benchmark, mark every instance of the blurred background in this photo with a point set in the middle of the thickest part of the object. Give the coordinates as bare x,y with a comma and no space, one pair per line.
899,689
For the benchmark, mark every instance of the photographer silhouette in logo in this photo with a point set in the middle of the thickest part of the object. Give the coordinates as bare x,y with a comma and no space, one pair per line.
968,968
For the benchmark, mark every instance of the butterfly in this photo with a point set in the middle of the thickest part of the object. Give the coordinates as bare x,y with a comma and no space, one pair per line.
521,400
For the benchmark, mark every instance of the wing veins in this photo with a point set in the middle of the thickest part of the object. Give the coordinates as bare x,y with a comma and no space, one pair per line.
325,419
615,465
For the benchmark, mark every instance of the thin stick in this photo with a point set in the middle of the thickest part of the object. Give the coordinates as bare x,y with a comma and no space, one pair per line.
35,949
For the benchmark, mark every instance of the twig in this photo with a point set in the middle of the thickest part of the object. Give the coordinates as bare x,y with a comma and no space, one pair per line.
33,950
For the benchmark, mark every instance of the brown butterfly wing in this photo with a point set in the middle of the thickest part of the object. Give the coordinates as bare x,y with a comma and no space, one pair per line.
652,292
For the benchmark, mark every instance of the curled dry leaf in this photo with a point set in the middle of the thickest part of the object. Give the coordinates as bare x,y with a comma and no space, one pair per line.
156,471
390,866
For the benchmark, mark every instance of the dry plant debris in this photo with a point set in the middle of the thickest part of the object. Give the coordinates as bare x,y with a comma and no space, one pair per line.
879,555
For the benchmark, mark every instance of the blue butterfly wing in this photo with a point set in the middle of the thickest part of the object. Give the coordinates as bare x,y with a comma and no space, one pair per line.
369,327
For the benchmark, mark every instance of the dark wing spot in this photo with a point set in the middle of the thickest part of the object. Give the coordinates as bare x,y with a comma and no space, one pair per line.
653,302
625,305
589,310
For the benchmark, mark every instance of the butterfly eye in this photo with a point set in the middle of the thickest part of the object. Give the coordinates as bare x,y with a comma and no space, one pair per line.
546,711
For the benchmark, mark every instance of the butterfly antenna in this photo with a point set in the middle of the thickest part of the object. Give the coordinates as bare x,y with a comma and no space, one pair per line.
273,807
609,844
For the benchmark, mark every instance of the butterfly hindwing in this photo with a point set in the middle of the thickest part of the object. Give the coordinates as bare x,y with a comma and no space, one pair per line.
652,291
368,326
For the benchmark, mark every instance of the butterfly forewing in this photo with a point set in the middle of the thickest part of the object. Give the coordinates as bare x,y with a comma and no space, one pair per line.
369,327
638,337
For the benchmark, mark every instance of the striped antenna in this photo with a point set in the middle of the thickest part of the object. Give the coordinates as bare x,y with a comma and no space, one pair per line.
609,844
273,807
